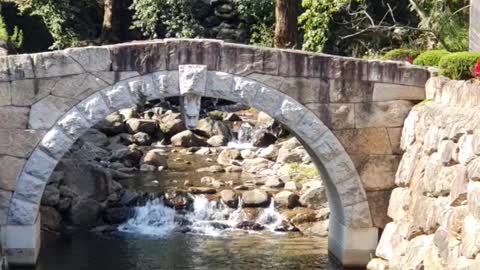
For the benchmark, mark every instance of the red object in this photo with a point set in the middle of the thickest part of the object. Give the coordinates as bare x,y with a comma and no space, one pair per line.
476,71
410,60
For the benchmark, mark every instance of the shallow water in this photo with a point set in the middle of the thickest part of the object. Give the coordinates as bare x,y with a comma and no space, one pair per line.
140,247
119,251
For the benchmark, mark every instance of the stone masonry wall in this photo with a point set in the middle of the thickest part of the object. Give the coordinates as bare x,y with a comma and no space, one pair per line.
363,102
436,205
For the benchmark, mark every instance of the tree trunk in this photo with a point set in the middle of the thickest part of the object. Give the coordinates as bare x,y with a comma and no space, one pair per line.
286,29
108,32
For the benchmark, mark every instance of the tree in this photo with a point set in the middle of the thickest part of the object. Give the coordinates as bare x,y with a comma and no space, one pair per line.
286,29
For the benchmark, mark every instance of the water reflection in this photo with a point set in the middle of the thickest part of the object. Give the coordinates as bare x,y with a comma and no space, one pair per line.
87,251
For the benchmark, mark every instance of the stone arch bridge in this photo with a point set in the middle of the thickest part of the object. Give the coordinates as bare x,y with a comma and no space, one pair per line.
347,112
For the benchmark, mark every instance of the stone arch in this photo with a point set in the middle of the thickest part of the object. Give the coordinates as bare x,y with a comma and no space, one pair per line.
352,235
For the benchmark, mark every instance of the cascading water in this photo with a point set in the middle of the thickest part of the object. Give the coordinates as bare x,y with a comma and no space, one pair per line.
207,218
245,136
153,219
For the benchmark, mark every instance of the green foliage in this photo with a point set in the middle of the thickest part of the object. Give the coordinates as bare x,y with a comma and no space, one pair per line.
13,41
430,58
316,19
68,21
459,66
169,18
448,21
401,54
260,15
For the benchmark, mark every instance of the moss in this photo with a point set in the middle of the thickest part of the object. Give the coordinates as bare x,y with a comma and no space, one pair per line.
400,54
459,66
302,173
430,58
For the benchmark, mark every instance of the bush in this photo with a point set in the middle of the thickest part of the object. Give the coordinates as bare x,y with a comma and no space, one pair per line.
459,66
430,58
400,54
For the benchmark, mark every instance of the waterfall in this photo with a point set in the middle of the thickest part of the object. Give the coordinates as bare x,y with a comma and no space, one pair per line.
153,219
245,137
209,218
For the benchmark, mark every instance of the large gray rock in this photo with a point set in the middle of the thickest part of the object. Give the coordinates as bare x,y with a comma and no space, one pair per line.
229,197
135,125
86,179
217,141
256,165
263,138
95,137
156,158
51,196
188,139
227,156
213,127
142,138
255,198
286,199
84,212
313,195
50,218
172,124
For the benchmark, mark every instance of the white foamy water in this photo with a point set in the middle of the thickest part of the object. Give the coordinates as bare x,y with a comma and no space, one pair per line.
209,218
240,145
152,219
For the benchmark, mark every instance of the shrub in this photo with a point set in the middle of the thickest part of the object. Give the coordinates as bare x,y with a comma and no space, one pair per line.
459,66
400,54
430,58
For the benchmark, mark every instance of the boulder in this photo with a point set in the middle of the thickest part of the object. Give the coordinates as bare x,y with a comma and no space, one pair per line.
86,179
247,154
229,197
51,196
274,182
256,165
172,124
270,152
255,198
292,186
136,125
188,139
156,158
264,121
50,218
142,138
263,138
314,196
217,141
84,212
296,155
131,155
227,156
122,139
213,127
112,125
128,113
117,215
95,137
286,199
